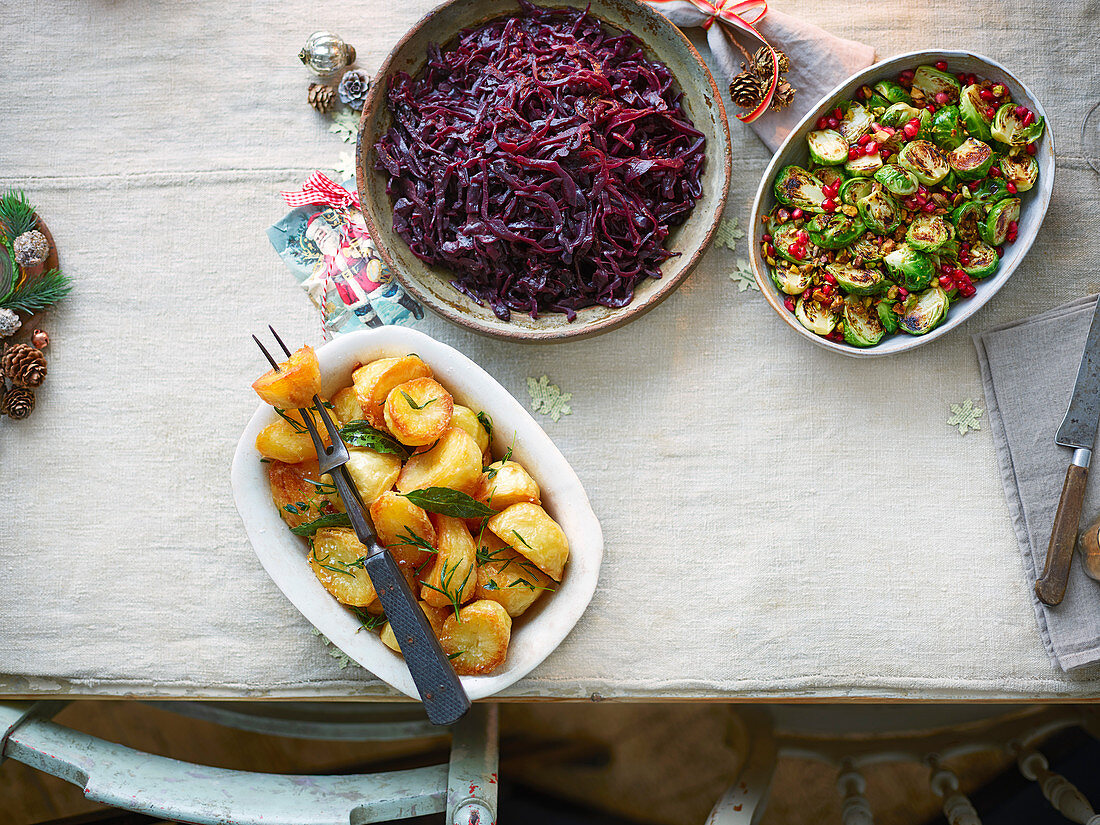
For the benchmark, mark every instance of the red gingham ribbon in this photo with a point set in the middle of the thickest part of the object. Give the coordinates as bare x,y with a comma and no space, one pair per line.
320,189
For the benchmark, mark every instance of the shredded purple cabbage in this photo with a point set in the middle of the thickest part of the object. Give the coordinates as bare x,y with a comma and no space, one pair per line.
541,159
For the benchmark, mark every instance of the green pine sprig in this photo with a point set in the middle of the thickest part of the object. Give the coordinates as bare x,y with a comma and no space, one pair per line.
40,293
16,215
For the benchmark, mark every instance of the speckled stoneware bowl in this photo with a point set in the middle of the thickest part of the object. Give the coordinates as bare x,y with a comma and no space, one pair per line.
429,284
1032,210
540,629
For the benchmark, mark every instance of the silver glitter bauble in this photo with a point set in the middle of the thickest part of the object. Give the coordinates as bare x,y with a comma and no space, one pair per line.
325,54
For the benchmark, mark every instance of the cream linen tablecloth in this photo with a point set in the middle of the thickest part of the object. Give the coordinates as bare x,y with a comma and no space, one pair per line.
780,522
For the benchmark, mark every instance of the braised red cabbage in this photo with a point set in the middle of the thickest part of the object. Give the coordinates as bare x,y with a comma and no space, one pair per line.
541,159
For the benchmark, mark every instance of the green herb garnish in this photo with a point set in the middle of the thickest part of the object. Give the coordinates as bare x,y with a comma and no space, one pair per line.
362,434
486,422
329,520
413,404
298,426
448,502
453,596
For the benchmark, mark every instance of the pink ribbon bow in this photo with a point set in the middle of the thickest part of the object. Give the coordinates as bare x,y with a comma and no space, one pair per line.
320,189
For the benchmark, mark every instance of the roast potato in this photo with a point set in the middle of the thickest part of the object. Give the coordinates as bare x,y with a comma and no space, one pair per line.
466,419
374,381
436,617
477,637
418,412
335,559
372,473
345,403
294,384
290,488
452,577
534,534
505,483
455,462
508,578
395,517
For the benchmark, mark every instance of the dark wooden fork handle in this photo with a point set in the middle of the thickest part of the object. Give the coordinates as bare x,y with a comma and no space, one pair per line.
1051,586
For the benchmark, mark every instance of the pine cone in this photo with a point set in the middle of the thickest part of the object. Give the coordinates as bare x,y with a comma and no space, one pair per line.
783,95
745,91
9,323
762,62
18,403
31,248
24,365
322,97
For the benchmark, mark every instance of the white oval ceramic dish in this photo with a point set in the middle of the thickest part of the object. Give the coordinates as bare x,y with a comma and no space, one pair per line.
794,150
534,634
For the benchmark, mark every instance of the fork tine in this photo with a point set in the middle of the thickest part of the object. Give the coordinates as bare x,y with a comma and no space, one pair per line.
263,349
280,340
330,425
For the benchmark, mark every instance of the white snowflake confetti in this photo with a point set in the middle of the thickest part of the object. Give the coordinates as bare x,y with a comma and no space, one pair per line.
549,399
332,650
728,233
345,123
743,277
966,416
345,167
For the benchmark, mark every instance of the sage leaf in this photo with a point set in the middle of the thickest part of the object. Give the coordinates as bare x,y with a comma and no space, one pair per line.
362,434
329,520
448,502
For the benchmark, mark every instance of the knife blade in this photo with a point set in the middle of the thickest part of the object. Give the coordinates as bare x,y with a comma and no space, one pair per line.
1078,430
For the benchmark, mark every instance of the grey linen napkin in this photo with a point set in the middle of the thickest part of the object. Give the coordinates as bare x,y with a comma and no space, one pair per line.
1028,371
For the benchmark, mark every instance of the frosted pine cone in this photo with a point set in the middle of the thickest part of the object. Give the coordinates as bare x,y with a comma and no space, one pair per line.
9,323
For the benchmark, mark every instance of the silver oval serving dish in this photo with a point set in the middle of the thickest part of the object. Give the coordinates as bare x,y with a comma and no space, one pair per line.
794,150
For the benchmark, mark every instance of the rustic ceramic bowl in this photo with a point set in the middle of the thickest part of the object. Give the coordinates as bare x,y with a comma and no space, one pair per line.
794,150
429,284
537,632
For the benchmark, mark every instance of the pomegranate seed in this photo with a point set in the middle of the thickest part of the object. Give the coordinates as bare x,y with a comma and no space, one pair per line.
1013,228
864,140
797,252
1029,118
907,75
832,123
961,76
942,98
1000,250
830,278
994,171
1032,149
929,208
1021,111
931,110
990,113
922,189
986,95
971,79
911,129
920,199
853,152
822,123
828,205
789,303
965,246
1011,187
885,153
802,238
941,65
964,258
770,250
870,149
902,292
947,284
783,215
796,214
767,238
838,113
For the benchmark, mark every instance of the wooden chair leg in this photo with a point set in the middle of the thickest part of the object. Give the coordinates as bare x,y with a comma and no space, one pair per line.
743,803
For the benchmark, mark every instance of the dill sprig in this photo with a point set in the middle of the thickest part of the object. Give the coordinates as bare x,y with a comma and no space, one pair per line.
453,596
413,539
40,293
16,215
368,621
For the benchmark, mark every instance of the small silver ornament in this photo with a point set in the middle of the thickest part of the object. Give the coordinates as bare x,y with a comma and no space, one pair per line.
325,54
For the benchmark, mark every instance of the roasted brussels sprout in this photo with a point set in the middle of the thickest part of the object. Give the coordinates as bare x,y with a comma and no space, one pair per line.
855,188
791,280
971,160
896,180
966,218
910,268
785,238
1008,127
867,248
1022,171
815,316
827,147
947,129
932,81
893,92
886,316
928,233
829,175
855,122
862,327
879,211
925,161
899,114
921,314
989,191
857,280
1001,216
972,110
864,166
834,230
981,262
794,186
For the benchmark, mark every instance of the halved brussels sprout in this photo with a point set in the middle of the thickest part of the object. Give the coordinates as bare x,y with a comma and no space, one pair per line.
834,230
928,232
830,175
784,237
855,122
932,81
967,217
899,114
868,248
794,186
924,159
879,211
1008,127
827,147
855,279
995,229
791,280
876,103
1022,171
864,166
896,180
972,110
855,188
947,130
922,314
886,316
989,191
815,316
893,92
910,268
971,160
862,327
982,261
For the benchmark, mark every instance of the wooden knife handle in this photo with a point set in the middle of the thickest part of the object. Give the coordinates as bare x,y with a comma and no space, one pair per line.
1051,586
